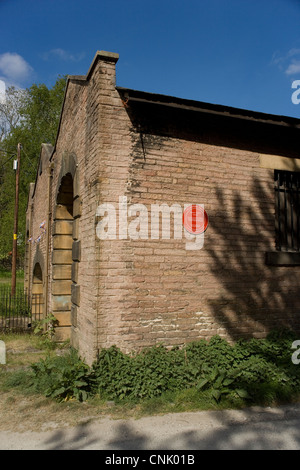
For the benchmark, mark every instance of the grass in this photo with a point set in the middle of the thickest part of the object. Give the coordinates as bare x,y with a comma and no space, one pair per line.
23,349
155,382
5,277
21,403
20,407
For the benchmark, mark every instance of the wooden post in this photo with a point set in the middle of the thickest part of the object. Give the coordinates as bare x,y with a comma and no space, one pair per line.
15,234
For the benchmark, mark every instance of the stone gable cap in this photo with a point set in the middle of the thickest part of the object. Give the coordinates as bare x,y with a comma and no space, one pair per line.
112,56
100,55
104,56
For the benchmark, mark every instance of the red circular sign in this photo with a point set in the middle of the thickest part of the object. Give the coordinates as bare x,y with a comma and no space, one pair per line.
195,219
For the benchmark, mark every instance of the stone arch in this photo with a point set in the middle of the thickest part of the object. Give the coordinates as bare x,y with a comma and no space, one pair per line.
38,283
39,259
37,279
65,243
69,165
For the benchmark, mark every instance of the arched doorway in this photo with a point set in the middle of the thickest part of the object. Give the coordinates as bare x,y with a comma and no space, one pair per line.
62,257
37,297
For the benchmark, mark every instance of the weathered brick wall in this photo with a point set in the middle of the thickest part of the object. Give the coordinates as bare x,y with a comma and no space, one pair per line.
84,136
37,228
178,295
156,290
135,293
113,271
69,149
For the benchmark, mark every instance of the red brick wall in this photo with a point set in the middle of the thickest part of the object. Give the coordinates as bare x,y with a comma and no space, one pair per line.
135,293
156,290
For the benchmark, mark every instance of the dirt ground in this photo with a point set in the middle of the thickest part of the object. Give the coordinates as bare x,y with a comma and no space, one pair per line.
34,413
20,412
36,422
30,428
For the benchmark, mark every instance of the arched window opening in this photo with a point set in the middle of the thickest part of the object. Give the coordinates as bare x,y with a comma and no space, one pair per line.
37,298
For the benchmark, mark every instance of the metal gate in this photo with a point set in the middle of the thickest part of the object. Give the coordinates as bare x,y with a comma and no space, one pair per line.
20,311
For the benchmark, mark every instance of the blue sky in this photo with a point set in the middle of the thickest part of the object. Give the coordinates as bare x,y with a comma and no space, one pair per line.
240,53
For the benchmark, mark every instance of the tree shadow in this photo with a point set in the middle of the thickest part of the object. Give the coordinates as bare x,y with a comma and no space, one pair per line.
79,438
254,297
249,296
249,429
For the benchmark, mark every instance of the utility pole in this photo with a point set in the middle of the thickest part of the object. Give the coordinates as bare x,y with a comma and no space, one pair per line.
15,235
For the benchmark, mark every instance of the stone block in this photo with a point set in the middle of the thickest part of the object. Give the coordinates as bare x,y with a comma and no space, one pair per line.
37,288
76,250
61,287
60,303
77,207
75,294
62,242
63,318
62,333
61,271
62,227
75,231
62,257
63,213
74,315
74,273
76,186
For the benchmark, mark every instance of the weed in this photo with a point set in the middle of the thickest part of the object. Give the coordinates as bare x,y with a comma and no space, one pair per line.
202,373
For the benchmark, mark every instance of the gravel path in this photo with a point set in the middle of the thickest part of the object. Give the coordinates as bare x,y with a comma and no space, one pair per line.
253,429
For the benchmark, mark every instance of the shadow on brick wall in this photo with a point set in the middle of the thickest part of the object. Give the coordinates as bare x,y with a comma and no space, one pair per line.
253,297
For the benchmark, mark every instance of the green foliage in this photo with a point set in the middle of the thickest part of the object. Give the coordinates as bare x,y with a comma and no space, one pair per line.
45,327
39,112
145,375
20,380
63,378
251,372
221,383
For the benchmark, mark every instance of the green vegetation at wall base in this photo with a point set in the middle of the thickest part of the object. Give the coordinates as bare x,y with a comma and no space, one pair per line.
203,375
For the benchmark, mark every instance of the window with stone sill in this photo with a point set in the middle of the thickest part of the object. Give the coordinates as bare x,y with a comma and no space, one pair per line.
287,219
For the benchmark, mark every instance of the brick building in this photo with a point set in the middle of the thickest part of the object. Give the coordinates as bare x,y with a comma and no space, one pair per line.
131,284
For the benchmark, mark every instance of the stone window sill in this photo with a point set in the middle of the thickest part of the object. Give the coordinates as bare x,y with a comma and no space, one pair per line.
282,258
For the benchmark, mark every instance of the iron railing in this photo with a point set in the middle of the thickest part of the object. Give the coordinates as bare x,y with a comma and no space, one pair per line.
19,312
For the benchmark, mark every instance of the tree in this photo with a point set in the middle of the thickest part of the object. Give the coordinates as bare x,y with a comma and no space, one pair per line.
10,110
34,120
